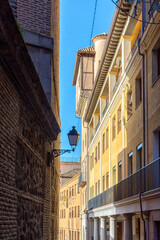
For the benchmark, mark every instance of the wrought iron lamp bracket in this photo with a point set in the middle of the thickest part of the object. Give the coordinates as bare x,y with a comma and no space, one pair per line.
56,153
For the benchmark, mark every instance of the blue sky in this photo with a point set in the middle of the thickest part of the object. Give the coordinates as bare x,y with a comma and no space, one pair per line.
76,17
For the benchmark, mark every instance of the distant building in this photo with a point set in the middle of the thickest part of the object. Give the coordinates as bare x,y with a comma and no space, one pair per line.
29,120
122,120
68,170
70,202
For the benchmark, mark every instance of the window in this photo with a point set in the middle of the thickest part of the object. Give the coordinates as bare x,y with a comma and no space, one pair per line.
103,183
75,189
156,144
72,190
156,62
113,127
129,103
130,163
119,119
92,192
114,175
107,138
103,142
157,230
75,212
72,212
98,186
119,171
91,162
96,189
78,236
138,90
96,155
139,156
107,180
98,150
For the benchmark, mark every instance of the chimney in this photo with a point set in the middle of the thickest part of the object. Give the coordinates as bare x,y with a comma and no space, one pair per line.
99,42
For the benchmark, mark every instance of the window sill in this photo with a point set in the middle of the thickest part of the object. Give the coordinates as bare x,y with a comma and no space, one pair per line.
153,83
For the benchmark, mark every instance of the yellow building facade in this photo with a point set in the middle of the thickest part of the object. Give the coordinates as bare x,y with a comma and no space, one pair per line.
122,116
69,215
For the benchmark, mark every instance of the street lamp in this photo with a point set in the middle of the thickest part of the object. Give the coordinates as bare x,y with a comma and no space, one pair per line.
73,137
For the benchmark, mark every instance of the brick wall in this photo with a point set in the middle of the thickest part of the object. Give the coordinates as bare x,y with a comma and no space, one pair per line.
35,15
25,179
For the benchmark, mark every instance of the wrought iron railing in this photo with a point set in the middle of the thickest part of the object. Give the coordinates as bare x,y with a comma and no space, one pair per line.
105,109
144,180
82,179
97,125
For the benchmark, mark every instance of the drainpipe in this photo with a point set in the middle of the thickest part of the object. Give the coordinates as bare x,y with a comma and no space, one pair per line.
143,98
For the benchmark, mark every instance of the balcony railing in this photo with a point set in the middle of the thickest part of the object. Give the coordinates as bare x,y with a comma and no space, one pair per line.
92,137
97,125
135,45
82,180
105,109
144,180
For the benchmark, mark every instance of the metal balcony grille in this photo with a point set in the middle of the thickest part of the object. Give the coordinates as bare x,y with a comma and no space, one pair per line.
144,180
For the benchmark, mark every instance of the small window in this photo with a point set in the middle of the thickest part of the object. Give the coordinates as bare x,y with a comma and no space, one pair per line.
98,150
103,142
129,103
113,127
119,119
98,186
96,189
119,171
103,183
156,62
72,190
114,175
107,138
96,155
139,156
107,180
130,163
78,211
138,89
75,212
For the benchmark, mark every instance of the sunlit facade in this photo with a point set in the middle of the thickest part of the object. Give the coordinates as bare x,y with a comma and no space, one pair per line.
122,120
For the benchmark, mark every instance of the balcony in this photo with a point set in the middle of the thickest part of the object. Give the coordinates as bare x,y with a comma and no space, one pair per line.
105,109
135,45
82,180
97,125
144,180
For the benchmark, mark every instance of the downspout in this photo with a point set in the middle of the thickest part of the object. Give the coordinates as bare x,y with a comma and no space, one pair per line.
143,99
